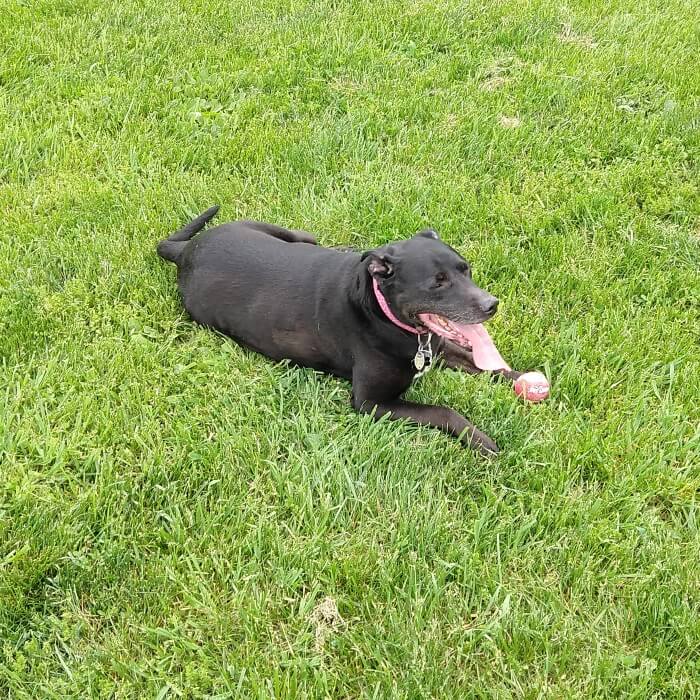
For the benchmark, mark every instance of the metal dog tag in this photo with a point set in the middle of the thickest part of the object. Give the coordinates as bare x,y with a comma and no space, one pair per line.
419,361
423,359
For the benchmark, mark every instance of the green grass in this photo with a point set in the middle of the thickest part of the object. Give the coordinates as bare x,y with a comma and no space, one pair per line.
174,511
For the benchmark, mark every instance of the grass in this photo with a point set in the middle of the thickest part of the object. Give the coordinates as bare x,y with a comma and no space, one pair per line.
181,518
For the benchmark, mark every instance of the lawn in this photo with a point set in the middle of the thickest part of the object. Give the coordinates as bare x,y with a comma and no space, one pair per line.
183,518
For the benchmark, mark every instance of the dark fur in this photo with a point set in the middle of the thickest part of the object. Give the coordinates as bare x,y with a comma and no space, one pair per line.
275,291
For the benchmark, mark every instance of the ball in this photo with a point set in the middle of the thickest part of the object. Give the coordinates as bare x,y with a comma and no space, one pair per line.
532,386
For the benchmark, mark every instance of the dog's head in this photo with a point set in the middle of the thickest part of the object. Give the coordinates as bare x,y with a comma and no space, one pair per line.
423,276
429,284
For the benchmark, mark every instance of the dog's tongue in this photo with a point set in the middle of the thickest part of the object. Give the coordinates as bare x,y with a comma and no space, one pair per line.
486,355
472,336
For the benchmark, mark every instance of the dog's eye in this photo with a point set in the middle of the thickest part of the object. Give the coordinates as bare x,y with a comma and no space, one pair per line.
440,279
465,269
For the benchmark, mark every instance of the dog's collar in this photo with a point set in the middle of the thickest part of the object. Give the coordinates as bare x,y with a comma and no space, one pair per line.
423,359
384,306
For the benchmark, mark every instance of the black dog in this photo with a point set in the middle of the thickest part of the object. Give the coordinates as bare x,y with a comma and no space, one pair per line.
376,318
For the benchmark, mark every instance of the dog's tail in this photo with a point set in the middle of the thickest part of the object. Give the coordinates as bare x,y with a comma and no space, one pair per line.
171,247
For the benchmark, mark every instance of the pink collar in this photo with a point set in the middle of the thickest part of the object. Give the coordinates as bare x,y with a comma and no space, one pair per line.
387,311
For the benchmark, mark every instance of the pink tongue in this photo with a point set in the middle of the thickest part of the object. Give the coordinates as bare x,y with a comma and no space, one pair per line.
485,354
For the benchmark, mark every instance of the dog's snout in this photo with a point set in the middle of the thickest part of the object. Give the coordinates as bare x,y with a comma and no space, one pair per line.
489,304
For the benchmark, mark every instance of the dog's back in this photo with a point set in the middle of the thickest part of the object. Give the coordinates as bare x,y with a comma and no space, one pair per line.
253,282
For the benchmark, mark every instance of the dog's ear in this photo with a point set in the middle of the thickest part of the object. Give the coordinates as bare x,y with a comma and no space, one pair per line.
428,233
380,264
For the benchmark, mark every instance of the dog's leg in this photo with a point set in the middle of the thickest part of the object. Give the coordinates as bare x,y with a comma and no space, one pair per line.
283,234
456,357
364,400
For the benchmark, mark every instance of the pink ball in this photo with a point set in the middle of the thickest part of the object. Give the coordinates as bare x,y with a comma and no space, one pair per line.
532,386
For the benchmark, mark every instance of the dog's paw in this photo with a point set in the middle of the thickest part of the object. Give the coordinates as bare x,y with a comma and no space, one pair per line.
487,447
481,442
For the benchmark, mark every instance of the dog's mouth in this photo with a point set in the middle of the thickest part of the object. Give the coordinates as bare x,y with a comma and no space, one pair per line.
472,336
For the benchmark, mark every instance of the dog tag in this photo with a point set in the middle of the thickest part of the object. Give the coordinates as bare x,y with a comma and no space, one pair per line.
419,361
423,359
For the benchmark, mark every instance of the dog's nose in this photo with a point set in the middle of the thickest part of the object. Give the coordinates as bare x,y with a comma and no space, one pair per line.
489,305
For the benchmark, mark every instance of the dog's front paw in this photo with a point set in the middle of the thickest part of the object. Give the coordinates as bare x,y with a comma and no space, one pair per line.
480,442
